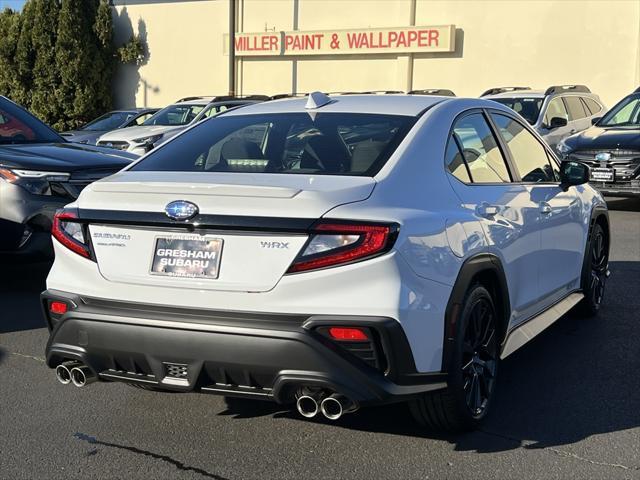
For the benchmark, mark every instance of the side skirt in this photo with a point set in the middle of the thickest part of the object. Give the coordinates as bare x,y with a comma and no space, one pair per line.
531,328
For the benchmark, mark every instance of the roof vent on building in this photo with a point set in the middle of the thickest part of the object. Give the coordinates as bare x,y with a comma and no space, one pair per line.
317,100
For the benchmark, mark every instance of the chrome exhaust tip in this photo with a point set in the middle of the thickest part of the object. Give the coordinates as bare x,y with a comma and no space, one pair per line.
307,406
82,376
336,405
63,374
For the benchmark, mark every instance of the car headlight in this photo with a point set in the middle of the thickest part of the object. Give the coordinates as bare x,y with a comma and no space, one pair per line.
149,139
34,181
563,149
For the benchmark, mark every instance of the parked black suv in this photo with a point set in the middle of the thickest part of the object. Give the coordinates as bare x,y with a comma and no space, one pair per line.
611,147
40,172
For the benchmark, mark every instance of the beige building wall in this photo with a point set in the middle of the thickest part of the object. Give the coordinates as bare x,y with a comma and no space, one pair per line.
499,42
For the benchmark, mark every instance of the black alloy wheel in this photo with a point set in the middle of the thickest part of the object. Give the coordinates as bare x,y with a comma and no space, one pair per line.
479,357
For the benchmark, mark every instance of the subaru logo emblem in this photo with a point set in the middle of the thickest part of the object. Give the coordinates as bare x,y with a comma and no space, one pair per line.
603,157
181,210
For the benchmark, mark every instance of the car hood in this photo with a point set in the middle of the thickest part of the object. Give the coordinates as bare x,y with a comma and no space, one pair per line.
62,157
596,138
131,133
83,136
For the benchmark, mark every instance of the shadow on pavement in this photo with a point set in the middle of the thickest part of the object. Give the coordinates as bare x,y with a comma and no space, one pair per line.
577,379
20,287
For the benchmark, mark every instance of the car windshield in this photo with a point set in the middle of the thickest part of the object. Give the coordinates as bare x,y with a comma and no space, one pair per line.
108,121
528,107
175,115
291,143
17,126
624,114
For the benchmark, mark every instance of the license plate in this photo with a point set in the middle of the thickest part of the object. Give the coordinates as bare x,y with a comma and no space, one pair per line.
187,257
602,174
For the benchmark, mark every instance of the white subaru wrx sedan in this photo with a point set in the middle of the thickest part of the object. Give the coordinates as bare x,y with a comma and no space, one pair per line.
328,253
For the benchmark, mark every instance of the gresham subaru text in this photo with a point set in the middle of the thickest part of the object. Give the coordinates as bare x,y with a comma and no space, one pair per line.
363,249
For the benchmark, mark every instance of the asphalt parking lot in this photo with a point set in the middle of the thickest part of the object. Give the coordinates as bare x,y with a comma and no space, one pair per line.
568,406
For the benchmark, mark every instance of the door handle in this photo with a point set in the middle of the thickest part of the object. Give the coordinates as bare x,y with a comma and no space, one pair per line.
545,208
572,131
487,211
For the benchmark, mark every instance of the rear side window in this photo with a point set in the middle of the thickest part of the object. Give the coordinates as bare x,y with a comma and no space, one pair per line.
528,154
575,108
556,108
480,150
291,143
455,161
593,106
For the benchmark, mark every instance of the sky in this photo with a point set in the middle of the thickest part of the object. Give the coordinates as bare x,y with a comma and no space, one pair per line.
14,4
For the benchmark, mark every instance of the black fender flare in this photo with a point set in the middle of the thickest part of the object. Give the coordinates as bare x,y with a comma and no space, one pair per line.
597,212
482,263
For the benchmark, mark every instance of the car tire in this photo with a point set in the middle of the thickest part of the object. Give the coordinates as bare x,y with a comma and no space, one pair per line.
472,371
594,272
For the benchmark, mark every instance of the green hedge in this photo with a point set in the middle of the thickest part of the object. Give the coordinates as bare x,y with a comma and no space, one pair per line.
57,58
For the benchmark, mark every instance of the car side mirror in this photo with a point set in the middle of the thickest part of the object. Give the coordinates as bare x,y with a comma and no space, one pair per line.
595,120
573,173
557,122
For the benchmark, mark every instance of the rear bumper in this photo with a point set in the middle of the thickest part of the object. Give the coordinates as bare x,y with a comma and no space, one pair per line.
241,354
626,189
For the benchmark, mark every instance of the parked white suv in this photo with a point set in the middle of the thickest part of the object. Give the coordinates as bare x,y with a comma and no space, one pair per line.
555,113
329,252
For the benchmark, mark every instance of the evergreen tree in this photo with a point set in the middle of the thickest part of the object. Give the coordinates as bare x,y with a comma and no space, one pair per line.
24,58
10,23
46,77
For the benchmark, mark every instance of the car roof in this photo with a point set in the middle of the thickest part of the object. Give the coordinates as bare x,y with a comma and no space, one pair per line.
410,105
518,94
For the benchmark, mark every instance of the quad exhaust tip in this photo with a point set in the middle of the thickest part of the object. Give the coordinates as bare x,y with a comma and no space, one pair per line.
82,376
336,405
332,406
307,406
63,374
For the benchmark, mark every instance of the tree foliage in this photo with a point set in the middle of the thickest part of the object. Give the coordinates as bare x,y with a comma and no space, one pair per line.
58,59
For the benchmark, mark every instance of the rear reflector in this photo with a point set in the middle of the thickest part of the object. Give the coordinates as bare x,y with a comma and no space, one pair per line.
348,334
58,308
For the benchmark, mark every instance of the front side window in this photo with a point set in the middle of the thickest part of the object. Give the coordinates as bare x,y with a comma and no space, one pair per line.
529,108
555,109
175,115
528,154
290,143
624,114
480,150
575,108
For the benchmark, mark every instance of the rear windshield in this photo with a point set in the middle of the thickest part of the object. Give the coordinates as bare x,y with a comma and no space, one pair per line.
529,108
305,143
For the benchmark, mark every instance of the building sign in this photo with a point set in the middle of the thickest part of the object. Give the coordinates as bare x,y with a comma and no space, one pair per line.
335,42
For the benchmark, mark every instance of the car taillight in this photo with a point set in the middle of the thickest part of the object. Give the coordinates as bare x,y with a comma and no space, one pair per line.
334,244
69,232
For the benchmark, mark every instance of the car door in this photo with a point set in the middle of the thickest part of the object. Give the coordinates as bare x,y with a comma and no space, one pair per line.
555,108
559,211
578,114
504,209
